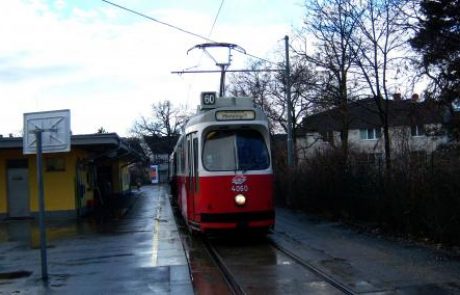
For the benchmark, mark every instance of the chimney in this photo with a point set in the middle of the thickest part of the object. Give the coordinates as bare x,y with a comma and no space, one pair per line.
397,96
415,97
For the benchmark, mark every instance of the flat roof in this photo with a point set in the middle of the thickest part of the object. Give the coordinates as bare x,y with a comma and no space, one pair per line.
82,140
76,140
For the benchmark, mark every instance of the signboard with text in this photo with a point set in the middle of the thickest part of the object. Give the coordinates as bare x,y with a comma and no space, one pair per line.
154,176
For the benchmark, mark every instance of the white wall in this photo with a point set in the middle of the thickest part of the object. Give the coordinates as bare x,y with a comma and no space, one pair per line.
401,140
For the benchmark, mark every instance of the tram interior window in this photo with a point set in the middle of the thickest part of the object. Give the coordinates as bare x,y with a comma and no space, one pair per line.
223,147
219,152
252,152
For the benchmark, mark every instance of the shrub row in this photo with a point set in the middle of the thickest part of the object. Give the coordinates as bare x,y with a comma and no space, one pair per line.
419,197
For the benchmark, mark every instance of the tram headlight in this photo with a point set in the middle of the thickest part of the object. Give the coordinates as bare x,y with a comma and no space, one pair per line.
240,200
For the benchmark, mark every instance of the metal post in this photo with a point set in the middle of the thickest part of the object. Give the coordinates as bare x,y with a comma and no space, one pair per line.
289,104
41,202
222,80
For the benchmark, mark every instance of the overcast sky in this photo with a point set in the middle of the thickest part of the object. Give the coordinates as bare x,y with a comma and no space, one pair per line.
108,66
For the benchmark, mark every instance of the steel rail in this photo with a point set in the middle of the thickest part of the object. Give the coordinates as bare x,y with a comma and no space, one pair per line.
228,276
335,283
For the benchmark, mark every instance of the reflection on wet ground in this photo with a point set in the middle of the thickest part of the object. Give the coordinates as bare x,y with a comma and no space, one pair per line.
262,269
138,253
27,232
255,264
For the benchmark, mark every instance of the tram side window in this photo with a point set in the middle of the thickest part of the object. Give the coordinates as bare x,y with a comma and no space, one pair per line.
181,158
195,163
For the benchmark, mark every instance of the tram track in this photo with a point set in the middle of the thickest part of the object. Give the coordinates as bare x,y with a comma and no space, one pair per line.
231,280
237,288
320,273
234,278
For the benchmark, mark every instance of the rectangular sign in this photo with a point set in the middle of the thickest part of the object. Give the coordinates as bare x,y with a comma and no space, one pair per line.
154,176
55,131
208,98
235,115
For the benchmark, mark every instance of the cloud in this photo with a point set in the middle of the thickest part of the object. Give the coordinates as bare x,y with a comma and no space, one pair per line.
16,74
106,65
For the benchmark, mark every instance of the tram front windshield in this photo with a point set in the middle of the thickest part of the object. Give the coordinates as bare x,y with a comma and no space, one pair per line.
227,150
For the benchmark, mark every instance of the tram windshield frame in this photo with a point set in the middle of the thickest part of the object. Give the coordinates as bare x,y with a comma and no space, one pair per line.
222,148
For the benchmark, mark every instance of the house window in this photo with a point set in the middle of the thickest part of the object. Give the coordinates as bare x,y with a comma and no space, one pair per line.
372,133
417,130
54,164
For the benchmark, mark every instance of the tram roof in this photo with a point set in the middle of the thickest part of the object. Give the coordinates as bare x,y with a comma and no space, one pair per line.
228,104
231,101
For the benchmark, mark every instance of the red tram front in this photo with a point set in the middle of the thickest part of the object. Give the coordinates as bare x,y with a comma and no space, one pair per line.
221,168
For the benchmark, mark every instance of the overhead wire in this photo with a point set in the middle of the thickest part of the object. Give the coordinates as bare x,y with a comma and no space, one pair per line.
215,19
209,34
183,30
158,21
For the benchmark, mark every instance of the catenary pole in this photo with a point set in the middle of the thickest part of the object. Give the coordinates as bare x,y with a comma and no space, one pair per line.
287,82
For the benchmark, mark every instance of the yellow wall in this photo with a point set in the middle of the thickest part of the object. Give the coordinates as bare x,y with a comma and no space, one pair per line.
121,178
59,186
125,178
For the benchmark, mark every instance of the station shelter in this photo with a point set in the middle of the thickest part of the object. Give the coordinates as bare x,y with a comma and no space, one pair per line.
91,175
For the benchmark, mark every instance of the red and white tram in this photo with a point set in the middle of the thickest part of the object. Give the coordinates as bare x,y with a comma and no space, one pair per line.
220,169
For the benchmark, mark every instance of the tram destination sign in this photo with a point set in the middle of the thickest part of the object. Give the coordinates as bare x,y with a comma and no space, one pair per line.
235,115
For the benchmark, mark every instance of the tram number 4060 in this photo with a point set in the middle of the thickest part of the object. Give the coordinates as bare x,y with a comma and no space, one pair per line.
208,98
240,188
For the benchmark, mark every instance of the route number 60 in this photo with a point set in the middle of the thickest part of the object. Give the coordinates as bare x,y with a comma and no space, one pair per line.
208,98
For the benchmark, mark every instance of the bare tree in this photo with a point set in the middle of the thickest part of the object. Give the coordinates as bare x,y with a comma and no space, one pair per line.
101,130
333,25
269,92
166,121
379,46
257,85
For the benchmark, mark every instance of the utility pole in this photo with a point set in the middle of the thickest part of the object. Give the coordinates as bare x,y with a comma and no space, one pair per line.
287,82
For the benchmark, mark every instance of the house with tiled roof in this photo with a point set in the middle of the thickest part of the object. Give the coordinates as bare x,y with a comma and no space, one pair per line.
414,126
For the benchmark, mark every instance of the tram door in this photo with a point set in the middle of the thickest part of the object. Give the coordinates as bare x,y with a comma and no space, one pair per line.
192,163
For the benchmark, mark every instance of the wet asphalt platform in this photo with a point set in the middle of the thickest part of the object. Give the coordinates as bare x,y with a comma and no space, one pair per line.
140,253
